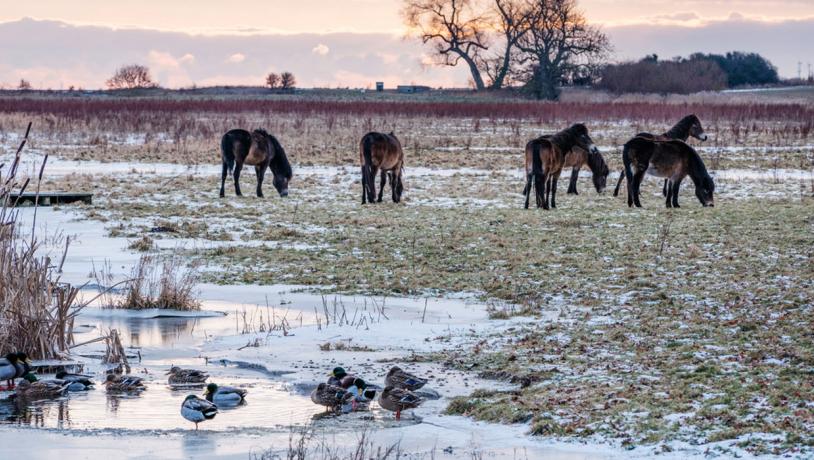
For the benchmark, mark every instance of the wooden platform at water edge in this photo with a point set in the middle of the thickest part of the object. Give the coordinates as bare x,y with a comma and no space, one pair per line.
50,198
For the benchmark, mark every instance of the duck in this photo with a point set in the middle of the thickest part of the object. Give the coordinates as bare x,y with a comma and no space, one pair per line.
32,388
399,399
23,364
337,375
362,395
398,378
123,383
69,385
196,410
330,396
225,396
8,369
79,382
180,376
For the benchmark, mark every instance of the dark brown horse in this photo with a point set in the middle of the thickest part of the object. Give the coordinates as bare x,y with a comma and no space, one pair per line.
686,127
673,160
545,158
259,149
577,159
378,151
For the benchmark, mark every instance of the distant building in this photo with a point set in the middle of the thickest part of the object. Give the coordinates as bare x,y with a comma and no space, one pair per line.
411,89
379,86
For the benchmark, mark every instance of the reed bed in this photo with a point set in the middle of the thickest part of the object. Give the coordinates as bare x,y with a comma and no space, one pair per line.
154,282
37,311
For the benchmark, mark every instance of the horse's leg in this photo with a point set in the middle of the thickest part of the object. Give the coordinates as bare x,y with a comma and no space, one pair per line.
238,167
572,184
381,187
666,187
527,190
546,190
676,185
398,185
637,183
364,185
223,179
261,173
554,180
668,194
371,197
619,183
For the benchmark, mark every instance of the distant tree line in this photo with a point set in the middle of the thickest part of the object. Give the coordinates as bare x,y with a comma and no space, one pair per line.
698,72
537,44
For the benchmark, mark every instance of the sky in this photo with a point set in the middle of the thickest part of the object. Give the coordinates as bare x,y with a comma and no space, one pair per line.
343,43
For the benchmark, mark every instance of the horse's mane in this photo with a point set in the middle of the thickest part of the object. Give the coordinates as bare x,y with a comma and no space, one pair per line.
279,163
681,130
567,137
597,164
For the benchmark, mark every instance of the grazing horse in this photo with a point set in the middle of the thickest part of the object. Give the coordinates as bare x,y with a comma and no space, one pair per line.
545,158
673,160
576,159
259,149
686,127
378,151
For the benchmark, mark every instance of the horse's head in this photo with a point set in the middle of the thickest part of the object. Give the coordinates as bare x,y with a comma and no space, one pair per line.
281,184
696,130
704,189
600,171
582,139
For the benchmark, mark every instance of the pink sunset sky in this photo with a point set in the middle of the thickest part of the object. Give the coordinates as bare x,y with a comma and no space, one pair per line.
344,43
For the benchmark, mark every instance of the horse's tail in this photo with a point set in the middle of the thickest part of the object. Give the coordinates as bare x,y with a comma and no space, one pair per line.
368,181
227,152
643,146
537,172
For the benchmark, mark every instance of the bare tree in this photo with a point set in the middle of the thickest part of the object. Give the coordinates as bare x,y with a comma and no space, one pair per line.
558,42
130,77
24,85
273,80
454,27
511,19
287,80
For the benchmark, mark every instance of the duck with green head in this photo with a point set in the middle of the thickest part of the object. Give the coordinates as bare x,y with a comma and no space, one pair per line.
197,410
336,376
225,396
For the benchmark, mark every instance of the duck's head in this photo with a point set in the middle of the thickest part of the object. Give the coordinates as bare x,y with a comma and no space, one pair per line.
173,370
30,378
393,370
22,357
12,357
110,379
360,384
61,375
190,397
338,373
211,389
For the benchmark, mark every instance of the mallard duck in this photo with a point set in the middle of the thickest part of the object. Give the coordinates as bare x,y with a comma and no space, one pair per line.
79,382
23,364
70,386
337,375
9,369
398,378
180,376
123,383
196,410
399,399
32,388
227,396
330,396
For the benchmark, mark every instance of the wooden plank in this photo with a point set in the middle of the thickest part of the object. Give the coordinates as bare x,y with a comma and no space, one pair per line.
50,198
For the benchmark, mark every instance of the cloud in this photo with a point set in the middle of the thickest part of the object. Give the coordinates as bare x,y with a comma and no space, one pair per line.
236,58
321,50
187,59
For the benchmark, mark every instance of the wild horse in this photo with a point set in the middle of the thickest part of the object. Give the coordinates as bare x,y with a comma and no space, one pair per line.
259,149
379,151
545,158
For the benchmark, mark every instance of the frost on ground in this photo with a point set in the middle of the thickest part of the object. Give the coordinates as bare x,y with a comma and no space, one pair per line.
656,330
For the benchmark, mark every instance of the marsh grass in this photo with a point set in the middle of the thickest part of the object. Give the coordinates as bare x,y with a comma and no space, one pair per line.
304,444
154,282
37,311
